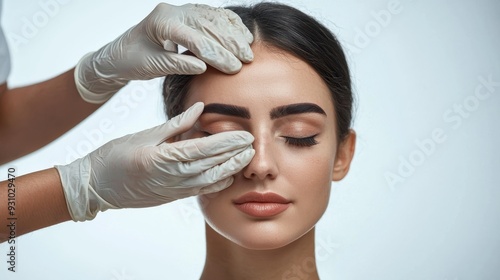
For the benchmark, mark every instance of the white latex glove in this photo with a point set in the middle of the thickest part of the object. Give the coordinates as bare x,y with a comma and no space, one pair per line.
141,170
148,50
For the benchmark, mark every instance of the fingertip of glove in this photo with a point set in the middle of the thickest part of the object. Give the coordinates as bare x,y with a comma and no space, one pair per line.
248,154
242,159
198,106
248,56
199,68
196,109
186,64
181,123
232,66
245,136
226,183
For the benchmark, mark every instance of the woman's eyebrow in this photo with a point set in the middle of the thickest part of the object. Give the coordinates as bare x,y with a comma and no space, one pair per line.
226,109
298,108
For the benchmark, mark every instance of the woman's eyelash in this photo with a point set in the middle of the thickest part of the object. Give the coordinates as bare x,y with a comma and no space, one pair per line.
301,142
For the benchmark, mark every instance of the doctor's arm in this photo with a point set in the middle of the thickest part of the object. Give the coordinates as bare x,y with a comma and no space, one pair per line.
39,202
35,115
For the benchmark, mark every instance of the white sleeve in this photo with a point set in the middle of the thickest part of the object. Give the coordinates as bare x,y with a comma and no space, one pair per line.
4,54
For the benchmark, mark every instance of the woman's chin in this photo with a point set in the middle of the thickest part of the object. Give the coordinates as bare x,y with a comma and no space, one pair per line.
263,243
260,236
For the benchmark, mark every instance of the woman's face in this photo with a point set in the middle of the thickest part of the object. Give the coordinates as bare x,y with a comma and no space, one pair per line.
287,107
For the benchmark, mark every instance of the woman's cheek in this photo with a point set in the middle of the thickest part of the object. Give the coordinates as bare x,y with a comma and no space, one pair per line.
315,161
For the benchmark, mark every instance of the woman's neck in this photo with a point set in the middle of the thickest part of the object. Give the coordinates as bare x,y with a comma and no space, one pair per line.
227,260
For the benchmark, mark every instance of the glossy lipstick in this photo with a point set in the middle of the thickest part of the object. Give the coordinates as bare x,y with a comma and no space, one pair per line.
261,205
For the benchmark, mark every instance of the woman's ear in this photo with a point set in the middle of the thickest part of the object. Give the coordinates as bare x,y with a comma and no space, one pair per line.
344,156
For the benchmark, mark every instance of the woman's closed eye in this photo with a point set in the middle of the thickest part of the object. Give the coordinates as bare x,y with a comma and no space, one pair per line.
205,133
301,142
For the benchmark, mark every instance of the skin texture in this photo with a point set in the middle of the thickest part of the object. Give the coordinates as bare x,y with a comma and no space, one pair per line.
241,246
39,202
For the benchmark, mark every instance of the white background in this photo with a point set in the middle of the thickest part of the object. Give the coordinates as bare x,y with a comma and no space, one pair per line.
440,221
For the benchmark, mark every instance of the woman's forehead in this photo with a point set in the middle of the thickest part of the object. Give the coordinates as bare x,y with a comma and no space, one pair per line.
273,77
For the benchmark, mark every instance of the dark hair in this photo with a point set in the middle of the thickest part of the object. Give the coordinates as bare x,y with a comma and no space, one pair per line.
292,31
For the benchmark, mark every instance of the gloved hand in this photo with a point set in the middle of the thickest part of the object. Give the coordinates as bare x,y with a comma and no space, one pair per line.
149,49
141,170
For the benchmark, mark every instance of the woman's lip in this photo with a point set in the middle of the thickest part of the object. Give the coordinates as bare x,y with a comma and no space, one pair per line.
268,197
261,204
262,209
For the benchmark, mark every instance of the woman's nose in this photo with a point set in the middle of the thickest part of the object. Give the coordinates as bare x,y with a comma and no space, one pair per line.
263,165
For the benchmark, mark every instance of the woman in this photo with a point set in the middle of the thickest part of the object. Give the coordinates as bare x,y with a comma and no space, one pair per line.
296,100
